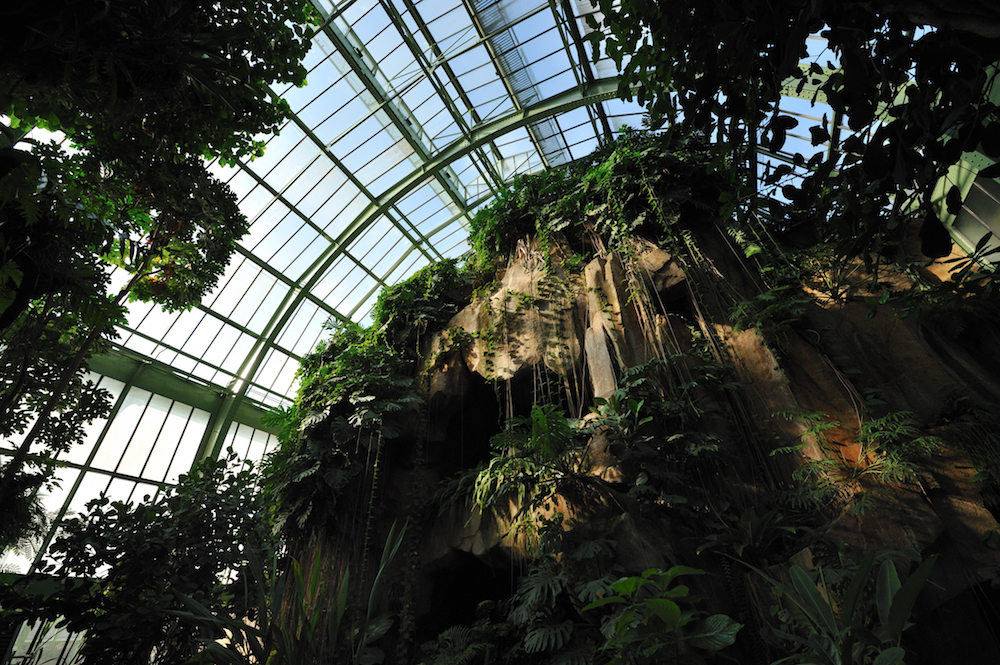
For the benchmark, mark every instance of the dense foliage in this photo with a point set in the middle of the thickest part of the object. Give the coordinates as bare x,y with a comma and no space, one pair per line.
640,183
914,98
356,391
143,92
122,570
177,77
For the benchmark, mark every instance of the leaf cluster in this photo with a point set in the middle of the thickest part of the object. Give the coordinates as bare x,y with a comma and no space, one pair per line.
120,570
653,621
914,100
354,392
180,77
849,628
537,458
356,375
423,302
640,181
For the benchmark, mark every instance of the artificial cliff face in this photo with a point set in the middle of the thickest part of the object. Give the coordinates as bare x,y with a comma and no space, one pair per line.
810,387
635,385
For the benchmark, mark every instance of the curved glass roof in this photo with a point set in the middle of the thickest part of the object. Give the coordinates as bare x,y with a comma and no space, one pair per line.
414,115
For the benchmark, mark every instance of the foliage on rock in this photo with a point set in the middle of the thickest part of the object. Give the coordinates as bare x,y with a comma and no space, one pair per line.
423,303
640,183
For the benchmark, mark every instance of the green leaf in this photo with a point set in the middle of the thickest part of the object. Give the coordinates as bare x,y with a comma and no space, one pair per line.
628,585
891,656
662,579
992,171
991,139
601,602
813,602
667,610
854,590
716,632
906,597
885,590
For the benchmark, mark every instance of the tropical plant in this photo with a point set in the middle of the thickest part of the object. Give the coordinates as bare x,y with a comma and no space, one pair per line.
771,309
422,303
353,391
890,449
537,457
118,572
181,77
26,520
649,624
300,616
641,181
832,630
753,538
490,639
891,445
177,227
143,91
915,98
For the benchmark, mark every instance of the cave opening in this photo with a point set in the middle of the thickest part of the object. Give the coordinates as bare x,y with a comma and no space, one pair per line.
459,586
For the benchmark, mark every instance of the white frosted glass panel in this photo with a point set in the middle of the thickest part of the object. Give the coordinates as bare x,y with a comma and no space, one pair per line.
239,439
120,489
301,331
259,445
143,493
91,487
187,447
146,433
234,357
121,430
277,372
182,327
78,454
205,334
167,441
267,307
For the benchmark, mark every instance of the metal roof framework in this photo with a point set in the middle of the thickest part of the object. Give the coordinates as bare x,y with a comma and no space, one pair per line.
415,114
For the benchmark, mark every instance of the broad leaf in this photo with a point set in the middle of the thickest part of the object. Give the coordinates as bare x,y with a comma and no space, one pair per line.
716,632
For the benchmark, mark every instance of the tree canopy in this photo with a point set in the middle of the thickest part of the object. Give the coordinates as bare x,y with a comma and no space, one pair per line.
912,81
144,91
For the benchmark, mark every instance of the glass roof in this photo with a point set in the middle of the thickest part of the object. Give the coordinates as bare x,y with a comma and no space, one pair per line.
414,115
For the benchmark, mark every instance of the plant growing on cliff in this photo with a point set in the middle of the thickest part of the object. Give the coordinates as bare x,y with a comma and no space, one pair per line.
352,389
422,303
860,626
653,621
638,182
537,457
